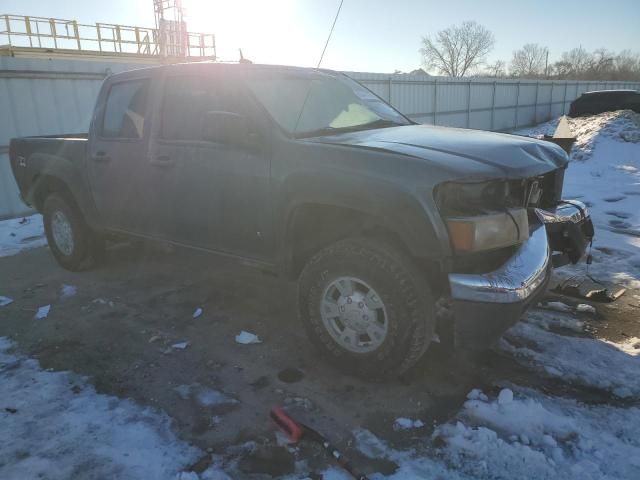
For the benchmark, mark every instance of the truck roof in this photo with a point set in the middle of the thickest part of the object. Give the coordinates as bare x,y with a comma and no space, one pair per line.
600,92
204,66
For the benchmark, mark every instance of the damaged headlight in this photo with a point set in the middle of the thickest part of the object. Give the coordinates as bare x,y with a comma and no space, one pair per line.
481,215
488,231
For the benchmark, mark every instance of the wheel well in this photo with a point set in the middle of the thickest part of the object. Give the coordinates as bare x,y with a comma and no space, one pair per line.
45,186
313,227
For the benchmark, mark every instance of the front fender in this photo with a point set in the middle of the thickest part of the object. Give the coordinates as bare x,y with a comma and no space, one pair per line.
412,218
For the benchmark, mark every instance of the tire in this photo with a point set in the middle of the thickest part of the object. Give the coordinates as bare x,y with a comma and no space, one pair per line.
73,244
404,308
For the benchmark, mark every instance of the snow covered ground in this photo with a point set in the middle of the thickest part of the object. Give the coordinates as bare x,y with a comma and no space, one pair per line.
55,423
21,233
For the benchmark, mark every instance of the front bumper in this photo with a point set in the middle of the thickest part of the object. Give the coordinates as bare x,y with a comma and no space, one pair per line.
486,305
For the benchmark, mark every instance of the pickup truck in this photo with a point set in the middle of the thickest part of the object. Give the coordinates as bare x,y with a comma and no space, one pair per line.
382,222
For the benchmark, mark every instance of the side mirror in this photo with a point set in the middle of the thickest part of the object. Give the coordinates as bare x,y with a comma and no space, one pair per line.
225,127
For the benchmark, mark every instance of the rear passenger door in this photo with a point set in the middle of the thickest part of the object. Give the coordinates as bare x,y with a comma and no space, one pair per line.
117,151
213,195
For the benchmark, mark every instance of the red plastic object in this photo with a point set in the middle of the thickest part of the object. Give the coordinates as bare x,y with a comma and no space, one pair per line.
293,429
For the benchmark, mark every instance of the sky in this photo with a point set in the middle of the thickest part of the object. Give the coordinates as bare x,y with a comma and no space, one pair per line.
374,36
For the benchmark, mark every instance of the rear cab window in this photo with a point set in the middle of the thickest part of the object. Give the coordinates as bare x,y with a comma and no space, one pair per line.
125,110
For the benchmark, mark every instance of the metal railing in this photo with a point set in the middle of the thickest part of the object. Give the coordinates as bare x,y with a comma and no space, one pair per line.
19,31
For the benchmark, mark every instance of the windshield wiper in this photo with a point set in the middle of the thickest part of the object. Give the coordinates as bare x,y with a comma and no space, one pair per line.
380,123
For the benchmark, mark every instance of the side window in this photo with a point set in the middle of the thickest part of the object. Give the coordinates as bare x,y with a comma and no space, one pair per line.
125,109
186,101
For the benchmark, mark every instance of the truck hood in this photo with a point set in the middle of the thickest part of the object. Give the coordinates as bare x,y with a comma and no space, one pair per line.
462,152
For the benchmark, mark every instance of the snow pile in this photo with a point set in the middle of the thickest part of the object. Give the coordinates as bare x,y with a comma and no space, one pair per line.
622,125
535,436
55,426
584,361
20,234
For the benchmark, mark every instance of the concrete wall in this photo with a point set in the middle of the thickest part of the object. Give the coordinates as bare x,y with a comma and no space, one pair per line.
49,96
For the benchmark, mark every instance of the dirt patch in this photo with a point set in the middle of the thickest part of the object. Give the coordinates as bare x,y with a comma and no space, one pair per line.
120,326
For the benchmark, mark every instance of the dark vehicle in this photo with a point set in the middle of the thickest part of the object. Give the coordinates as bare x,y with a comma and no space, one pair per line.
591,103
311,175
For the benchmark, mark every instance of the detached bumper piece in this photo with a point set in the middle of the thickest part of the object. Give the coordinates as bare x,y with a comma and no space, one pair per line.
570,231
486,305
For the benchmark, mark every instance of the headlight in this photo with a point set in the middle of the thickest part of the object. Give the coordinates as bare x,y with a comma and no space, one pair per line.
485,232
469,198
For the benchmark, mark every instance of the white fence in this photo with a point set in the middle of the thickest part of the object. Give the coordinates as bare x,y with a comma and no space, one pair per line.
483,104
46,97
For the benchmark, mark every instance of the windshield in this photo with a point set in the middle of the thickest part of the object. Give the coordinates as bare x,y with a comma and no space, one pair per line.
320,104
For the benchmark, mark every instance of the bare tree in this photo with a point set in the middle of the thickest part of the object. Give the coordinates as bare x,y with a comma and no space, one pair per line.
529,61
458,49
626,66
574,64
497,69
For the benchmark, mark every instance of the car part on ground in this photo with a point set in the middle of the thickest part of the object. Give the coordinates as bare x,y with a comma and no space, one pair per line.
298,431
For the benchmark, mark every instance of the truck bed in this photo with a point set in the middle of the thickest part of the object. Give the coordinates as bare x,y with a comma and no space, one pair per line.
32,157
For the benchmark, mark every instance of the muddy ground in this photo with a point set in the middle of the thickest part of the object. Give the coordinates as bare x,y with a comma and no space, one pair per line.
119,327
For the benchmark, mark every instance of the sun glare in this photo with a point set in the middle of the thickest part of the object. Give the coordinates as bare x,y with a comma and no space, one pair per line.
264,30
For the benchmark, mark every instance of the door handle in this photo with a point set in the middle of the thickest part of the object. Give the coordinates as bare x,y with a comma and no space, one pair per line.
163,161
101,157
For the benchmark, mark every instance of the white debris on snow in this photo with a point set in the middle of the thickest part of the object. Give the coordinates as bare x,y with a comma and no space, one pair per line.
63,429
68,291
42,312
247,338
197,312
476,394
505,396
20,234
404,423
584,308
4,301
584,361
180,345
607,178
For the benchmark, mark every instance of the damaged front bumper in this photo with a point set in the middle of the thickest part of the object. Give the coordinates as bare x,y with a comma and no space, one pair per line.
485,305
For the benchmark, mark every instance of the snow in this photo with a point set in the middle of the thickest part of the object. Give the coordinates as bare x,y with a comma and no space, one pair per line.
536,436
404,423
57,433
43,312
68,291
584,308
4,301
246,338
204,396
585,361
20,234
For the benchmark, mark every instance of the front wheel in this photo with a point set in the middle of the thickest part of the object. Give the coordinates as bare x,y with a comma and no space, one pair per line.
367,307
74,245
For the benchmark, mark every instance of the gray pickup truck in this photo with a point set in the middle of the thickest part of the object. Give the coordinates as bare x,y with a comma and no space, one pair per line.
309,174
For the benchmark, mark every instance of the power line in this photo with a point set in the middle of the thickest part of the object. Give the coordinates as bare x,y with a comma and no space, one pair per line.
330,32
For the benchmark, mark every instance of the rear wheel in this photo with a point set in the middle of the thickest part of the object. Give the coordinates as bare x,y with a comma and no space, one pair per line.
74,245
367,308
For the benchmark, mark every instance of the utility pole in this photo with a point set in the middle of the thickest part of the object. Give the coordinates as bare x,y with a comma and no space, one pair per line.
546,66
